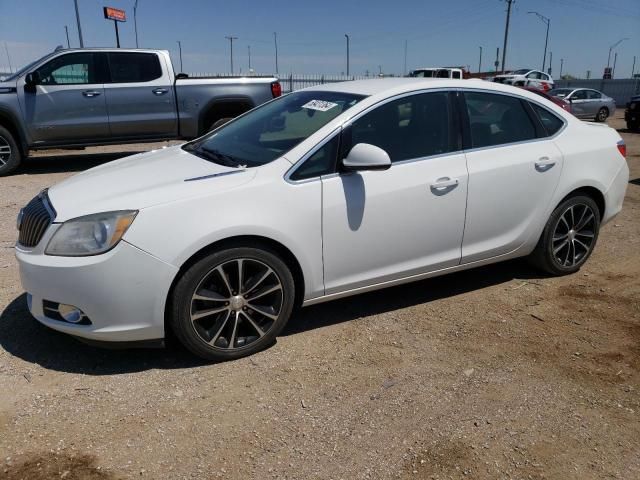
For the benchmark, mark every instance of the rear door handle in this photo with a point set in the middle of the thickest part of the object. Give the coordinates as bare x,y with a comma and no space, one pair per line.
159,91
90,93
543,164
444,185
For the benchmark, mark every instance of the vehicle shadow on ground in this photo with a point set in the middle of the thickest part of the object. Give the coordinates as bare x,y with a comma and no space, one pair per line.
68,162
408,295
635,181
24,337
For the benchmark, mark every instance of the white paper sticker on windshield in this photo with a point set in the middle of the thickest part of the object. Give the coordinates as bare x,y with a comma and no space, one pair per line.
320,105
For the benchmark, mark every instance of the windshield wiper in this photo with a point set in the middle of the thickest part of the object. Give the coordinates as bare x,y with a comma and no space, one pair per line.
212,155
228,160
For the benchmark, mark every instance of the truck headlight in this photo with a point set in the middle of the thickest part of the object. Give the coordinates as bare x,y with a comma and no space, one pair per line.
90,235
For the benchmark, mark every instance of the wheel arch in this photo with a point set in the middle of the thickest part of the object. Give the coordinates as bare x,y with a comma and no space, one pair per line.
8,121
219,108
255,241
591,192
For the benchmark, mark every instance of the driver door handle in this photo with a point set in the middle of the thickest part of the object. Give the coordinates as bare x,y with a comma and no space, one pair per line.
90,93
444,185
543,164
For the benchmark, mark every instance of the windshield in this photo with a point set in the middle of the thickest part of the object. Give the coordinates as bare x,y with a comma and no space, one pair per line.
273,129
560,92
25,69
521,71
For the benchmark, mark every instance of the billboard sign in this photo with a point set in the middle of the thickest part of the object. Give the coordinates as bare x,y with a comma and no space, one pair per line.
115,14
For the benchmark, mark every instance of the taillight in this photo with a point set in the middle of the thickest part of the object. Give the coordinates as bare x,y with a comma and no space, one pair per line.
276,89
622,148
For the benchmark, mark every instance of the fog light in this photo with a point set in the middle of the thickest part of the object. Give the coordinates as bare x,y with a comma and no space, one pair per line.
70,314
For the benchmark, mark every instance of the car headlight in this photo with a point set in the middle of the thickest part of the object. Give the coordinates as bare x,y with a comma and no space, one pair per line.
90,235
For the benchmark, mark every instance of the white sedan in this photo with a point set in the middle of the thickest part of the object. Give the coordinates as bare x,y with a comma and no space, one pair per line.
326,192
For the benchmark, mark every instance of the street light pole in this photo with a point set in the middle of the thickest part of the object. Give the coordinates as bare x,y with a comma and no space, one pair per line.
180,54
275,42
78,22
614,46
561,65
249,50
135,22
231,39
66,30
546,20
480,62
615,60
404,72
347,37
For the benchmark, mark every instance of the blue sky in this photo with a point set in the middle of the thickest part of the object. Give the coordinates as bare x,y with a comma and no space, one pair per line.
311,33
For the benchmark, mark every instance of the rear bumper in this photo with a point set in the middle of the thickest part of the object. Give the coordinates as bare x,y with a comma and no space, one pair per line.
614,196
122,292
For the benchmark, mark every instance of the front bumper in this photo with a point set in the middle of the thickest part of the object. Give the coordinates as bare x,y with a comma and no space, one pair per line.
122,292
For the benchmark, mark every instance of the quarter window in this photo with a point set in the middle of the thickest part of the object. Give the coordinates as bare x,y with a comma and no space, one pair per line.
552,124
411,127
497,120
322,162
134,67
69,69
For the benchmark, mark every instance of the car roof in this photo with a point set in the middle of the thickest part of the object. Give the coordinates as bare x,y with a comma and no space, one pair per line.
394,86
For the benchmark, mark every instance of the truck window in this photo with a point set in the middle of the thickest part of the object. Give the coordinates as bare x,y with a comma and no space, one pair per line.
134,67
455,74
69,69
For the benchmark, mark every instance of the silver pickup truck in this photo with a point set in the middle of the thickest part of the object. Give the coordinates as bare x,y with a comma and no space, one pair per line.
82,97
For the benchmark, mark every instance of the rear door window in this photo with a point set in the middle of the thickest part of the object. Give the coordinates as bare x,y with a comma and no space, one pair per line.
130,67
496,119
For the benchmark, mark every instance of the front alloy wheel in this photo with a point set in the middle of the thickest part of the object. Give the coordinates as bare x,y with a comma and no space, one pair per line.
232,303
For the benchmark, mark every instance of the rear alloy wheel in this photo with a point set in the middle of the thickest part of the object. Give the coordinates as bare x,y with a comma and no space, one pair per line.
602,115
569,236
232,303
9,153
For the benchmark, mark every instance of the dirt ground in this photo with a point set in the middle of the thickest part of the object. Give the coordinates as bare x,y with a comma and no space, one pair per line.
493,373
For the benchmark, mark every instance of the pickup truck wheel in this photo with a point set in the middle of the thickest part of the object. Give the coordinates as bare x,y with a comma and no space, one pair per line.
9,152
219,123
633,126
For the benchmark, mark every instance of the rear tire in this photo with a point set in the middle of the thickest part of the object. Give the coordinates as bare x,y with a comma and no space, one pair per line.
602,115
569,237
232,303
633,126
10,155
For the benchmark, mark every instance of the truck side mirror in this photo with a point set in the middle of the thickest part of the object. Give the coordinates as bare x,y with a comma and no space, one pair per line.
30,81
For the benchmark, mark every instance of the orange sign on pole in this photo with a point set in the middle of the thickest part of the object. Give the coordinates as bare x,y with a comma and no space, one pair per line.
115,14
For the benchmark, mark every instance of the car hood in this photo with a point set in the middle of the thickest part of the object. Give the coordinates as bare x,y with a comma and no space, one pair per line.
141,181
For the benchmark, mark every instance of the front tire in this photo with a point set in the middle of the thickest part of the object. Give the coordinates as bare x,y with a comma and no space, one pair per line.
232,303
10,156
602,115
569,237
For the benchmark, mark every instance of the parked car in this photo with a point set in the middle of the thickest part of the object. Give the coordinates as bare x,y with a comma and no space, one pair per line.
82,97
526,77
324,193
587,103
632,113
439,72
557,100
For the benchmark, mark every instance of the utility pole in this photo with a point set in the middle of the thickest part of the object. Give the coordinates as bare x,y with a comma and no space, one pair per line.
633,68
275,42
135,22
550,62
614,46
497,62
78,22
66,30
546,20
480,62
506,33
231,39
180,53
249,50
561,65
347,37
615,60
404,72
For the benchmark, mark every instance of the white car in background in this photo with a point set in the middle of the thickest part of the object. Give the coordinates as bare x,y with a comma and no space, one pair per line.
527,78
324,193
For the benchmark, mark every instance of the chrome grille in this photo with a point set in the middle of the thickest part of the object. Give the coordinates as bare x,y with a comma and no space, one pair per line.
35,218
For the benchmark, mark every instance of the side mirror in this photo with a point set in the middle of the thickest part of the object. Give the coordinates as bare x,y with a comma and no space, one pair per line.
365,156
31,80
